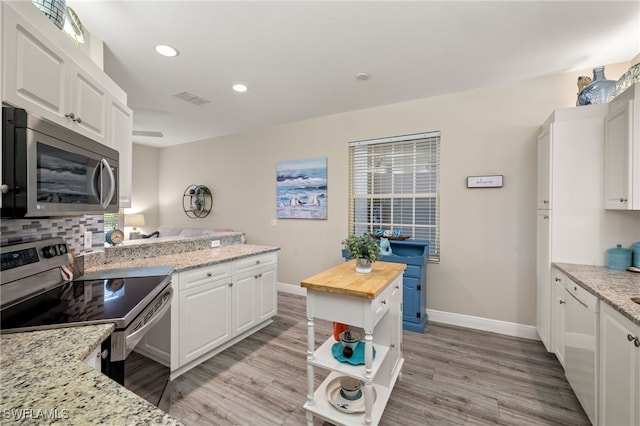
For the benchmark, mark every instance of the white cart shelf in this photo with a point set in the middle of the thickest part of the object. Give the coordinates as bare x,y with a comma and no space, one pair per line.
372,302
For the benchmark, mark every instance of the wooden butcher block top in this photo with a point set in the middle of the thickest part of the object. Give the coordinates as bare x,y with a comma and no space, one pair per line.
343,279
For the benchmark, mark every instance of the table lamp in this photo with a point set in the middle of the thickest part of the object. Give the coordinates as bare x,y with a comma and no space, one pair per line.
134,220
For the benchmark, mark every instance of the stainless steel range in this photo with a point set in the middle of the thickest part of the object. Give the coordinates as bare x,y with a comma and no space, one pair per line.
38,292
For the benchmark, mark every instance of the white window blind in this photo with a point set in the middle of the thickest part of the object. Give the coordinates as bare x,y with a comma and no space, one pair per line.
395,184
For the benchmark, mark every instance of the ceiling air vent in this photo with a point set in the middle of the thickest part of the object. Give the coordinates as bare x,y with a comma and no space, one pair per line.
190,97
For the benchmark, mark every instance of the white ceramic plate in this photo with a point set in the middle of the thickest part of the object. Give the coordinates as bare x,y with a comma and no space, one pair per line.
343,404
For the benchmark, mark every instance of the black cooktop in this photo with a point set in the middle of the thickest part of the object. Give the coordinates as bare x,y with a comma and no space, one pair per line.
117,300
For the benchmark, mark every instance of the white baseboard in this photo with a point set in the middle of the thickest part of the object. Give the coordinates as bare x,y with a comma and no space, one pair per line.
292,289
485,324
460,320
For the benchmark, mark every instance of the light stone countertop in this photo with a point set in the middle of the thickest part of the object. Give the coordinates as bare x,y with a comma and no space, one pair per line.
190,259
44,380
614,287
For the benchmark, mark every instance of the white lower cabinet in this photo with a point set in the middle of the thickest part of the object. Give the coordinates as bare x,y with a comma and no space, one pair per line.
217,306
619,369
205,318
557,314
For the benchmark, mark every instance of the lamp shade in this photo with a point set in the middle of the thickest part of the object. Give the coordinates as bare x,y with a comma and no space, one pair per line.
134,220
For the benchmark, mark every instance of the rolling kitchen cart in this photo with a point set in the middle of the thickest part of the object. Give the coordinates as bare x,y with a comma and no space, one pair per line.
369,301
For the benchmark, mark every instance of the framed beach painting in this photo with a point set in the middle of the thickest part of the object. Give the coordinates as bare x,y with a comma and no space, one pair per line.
301,189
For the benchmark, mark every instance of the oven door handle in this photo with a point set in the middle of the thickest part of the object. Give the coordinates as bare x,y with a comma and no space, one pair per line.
132,340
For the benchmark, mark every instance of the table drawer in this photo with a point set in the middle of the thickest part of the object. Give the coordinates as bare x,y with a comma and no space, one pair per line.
196,277
382,302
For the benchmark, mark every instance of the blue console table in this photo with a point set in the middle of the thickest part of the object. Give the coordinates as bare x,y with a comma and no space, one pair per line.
414,254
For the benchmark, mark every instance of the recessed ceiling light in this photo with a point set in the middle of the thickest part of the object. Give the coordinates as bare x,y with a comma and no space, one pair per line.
165,50
362,76
240,88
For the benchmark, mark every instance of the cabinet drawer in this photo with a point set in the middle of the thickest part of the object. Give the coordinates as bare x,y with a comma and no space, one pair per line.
248,263
412,271
382,303
199,276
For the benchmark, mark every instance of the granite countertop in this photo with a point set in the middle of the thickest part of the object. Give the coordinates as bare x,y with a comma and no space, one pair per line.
187,260
44,380
614,287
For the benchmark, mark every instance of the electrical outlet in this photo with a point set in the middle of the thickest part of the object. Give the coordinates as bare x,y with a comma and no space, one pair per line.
88,240
215,243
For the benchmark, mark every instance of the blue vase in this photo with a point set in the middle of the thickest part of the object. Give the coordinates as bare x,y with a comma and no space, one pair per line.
599,91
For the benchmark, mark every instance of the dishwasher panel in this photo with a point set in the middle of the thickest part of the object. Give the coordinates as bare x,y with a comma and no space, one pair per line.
581,348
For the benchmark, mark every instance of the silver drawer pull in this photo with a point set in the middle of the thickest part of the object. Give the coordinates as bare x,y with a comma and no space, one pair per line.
630,337
558,279
384,302
562,302
208,274
623,200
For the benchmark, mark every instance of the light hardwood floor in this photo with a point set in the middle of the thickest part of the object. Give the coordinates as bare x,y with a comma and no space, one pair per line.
451,376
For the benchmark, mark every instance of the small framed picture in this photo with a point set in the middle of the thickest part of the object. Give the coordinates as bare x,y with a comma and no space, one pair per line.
494,181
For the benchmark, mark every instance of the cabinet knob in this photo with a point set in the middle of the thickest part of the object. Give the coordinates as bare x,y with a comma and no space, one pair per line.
630,337
636,343
384,302
623,200
545,217
545,201
257,262
78,120
558,279
562,302
208,274
71,116
4,188
230,284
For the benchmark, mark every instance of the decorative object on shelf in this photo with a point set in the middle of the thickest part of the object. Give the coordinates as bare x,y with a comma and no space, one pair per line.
599,91
357,358
349,341
73,27
627,80
485,181
334,396
364,249
337,329
301,189
114,236
133,221
583,81
197,201
53,9
619,258
385,247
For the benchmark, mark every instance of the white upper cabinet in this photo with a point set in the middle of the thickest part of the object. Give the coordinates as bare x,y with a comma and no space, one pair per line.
622,152
44,73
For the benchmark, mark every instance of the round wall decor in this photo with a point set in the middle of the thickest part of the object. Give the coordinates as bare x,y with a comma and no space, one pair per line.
197,201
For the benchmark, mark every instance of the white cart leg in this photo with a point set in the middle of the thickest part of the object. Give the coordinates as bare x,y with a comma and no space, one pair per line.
368,355
310,373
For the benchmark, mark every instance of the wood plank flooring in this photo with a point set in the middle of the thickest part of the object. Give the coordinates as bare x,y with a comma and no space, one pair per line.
451,376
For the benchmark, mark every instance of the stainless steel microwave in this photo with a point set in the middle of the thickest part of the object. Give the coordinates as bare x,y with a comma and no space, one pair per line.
49,170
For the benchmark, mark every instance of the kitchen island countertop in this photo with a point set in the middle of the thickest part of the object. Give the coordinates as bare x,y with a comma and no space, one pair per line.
44,380
613,287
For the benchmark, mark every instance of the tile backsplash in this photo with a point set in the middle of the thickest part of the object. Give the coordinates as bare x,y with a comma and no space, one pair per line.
72,229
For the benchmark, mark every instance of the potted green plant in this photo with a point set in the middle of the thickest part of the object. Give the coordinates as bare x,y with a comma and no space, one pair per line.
364,249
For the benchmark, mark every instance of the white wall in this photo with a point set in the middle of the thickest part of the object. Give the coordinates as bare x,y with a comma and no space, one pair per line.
145,186
488,235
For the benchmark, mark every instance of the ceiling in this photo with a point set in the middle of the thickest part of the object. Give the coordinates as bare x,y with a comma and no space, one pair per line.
299,58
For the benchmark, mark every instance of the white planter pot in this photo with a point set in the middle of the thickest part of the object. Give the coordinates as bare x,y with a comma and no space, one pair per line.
363,266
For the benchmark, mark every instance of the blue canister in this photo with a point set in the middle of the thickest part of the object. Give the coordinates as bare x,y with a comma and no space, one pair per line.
636,254
618,258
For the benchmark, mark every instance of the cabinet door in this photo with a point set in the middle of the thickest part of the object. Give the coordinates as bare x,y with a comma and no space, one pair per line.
120,125
244,302
619,369
411,310
557,316
88,106
35,73
267,294
395,316
617,156
544,168
543,277
205,318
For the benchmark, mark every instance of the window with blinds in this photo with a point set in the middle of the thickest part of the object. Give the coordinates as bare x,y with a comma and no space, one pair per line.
395,184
